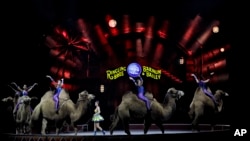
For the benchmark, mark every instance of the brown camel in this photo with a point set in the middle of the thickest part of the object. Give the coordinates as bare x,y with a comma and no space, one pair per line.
67,109
202,104
23,115
133,108
13,100
23,110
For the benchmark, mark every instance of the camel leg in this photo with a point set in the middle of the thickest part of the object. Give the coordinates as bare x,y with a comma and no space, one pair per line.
198,113
18,127
126,126
213,122
191,111
75,128
44,126
26,129
159,124
147,124
59,125
17,130
113,125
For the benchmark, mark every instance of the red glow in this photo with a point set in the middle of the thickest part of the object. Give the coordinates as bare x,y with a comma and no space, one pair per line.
139,27
149,27
51,43
101,35
126,24
170,75
214,66
220,78
103,40
163,31
190,52
113,30
129,48
191,30
158,54
60,72
213,53
65,35
76,63
81,25
59,30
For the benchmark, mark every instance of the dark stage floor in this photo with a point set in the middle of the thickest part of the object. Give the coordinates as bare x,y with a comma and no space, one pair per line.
174,131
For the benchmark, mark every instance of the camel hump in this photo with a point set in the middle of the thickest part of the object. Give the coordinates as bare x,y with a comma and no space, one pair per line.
149,95
49,94
64,94
129,94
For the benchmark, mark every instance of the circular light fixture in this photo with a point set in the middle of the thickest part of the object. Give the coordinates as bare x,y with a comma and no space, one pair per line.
215,29
134,69
112,23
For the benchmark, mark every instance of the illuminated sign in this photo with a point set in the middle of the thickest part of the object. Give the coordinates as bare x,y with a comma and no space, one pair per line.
134,70
116,73
151,72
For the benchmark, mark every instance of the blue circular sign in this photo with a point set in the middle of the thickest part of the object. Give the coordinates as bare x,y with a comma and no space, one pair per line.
134,70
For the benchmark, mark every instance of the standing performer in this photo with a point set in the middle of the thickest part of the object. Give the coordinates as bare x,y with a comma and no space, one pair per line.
97,118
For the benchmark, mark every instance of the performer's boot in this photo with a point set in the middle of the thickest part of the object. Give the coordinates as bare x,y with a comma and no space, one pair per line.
103,132
94,133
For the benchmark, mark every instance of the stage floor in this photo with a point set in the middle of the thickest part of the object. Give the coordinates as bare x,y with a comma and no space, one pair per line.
136,134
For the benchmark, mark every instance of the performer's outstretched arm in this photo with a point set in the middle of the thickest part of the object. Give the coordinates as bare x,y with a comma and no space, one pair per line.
205,81
31,87
131,78
51,79
14,83
62,82
48,76
141,79
196,79
16,91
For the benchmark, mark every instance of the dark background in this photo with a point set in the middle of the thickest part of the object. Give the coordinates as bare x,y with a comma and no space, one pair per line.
23,24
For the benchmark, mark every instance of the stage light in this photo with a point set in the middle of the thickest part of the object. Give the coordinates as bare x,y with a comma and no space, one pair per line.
112,23
222,49
181,61
101,88
215,29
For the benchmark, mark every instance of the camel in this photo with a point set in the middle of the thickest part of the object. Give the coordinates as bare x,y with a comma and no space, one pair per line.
132,107
202,104
23,115
13,100
68,110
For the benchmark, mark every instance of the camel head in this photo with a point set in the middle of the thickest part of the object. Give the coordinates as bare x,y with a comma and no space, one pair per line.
177,94
84,95
25,100
219,95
